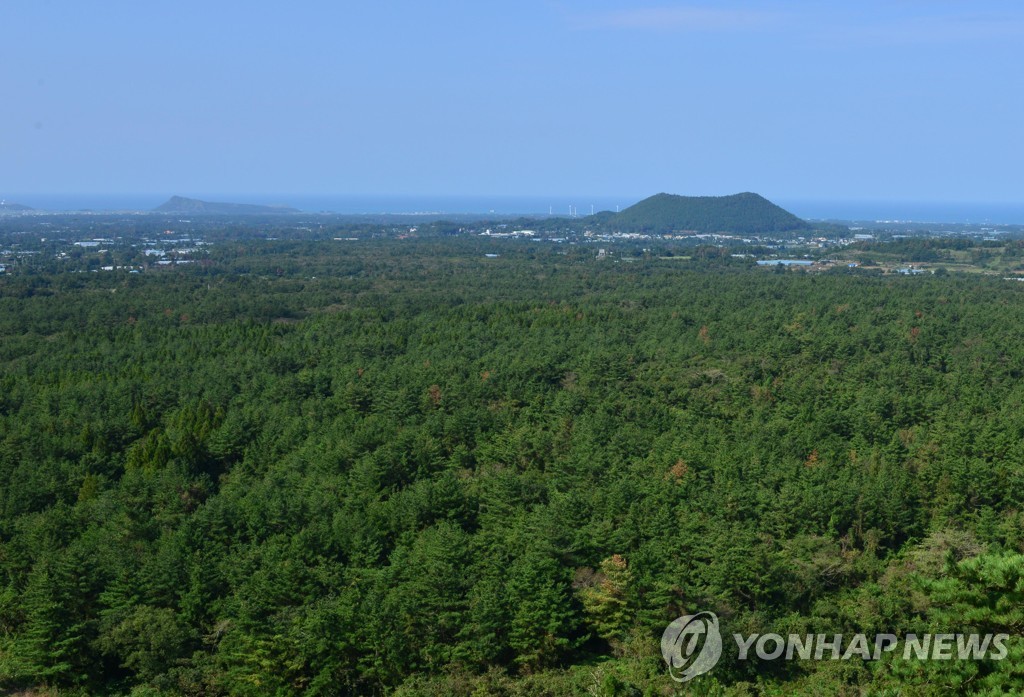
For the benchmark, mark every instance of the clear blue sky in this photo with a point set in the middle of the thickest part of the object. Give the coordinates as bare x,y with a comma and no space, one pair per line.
900,100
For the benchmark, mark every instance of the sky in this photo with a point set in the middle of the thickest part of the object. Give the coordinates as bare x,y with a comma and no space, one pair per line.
915,100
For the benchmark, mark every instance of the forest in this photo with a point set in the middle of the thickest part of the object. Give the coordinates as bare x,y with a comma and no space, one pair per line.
402,467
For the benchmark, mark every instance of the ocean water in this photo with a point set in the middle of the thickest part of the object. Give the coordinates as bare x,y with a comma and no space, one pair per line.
908,211
559,205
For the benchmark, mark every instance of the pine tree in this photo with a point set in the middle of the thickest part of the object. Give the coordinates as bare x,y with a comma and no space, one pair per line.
609,600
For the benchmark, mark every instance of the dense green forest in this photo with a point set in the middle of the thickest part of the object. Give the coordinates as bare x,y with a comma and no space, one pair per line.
400,467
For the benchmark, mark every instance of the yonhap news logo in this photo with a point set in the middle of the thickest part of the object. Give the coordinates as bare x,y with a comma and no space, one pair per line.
692,645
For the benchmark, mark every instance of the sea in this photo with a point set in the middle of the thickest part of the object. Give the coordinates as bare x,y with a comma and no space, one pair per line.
908,211
575,206
562,205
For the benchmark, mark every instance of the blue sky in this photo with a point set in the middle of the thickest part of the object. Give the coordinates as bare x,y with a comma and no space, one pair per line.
896,100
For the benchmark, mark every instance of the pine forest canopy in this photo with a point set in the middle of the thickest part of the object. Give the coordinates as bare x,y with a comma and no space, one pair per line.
403,467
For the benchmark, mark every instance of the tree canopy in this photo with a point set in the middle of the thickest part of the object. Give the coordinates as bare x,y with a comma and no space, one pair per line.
405,468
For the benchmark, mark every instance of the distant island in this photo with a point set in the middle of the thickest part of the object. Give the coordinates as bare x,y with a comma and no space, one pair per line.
180,204
744,213
13,207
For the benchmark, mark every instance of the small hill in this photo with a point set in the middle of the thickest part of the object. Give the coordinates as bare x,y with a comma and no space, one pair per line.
13,207
745,213
180,204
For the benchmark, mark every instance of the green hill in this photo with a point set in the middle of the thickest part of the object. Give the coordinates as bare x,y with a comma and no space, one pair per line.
745,213
180,204
6,207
